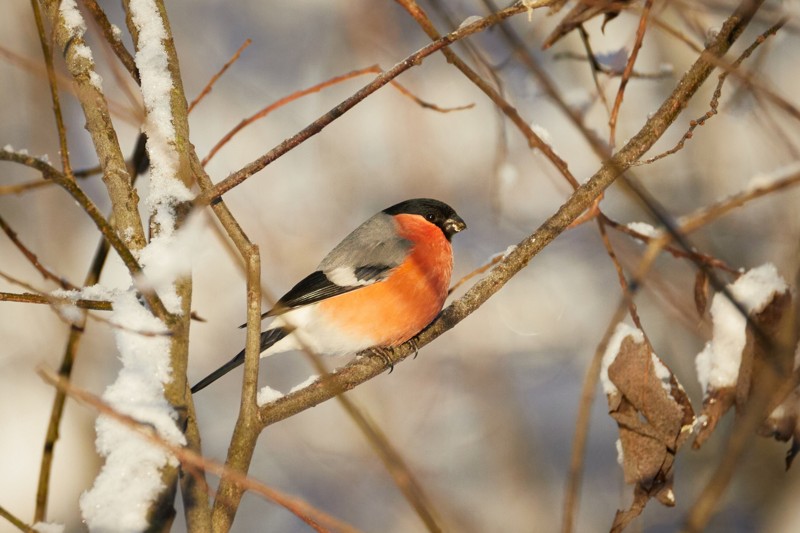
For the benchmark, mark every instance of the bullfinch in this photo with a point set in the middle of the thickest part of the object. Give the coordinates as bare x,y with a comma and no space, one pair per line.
377,288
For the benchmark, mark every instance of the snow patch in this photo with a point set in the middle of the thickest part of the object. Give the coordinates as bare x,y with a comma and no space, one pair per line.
719,361
169,256
130,479
469,20
308,381
73,20
152,62
643,228
267,394
48,527
662,373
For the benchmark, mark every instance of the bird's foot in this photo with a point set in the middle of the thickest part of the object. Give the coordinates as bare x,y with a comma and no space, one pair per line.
385,355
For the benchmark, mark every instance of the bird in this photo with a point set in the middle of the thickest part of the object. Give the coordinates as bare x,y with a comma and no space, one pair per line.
379,287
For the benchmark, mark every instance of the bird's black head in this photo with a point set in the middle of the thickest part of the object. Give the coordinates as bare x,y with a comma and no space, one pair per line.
434,211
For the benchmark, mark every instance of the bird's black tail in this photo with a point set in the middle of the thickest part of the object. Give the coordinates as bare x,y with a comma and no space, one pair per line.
268,338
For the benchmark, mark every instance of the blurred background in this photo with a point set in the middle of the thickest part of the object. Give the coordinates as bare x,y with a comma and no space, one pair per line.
485,416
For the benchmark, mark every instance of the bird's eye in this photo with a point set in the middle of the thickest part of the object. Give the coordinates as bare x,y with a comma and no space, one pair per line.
430,217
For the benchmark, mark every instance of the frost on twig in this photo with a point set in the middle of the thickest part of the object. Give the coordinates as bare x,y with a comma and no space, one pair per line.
654,416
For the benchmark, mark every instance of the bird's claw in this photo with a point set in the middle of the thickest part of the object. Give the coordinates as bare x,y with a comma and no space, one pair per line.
383,354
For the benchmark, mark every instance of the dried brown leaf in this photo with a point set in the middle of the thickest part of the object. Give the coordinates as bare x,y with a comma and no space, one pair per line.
655,418
716,403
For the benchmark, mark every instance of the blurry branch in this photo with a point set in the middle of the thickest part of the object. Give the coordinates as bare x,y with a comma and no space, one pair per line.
394,463
16,522
195,463
313,89
714,211
362,369
534,141
600,148
695,256
207,89
610,71
623,282
32,298
124,199
100,221
27,186
64,82
318,125
626,74
714,104
595,67
32,258
23,187
51,78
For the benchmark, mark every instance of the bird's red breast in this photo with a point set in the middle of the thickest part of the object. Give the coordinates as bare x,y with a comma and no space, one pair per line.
394,310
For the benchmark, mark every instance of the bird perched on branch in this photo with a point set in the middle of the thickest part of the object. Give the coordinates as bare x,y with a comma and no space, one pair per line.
377,288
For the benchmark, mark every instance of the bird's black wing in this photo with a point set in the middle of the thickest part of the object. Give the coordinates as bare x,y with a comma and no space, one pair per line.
317,286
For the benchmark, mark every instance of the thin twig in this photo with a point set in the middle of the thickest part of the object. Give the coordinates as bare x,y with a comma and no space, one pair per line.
374,69
57,303
65,83
690,223
36,298
626,74
595,66
16,522
714,104
218,75
695,256
611,72
33,259
53,83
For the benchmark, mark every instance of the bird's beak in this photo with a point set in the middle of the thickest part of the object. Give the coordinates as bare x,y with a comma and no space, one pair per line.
453,225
